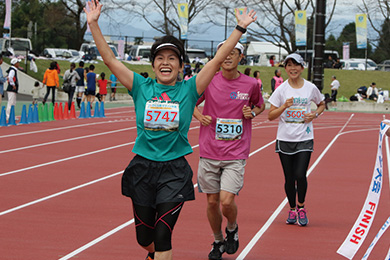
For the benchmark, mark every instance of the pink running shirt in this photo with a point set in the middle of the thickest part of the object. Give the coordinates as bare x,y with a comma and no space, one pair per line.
225,99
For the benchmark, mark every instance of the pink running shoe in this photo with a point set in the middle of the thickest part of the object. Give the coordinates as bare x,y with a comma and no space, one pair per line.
302,218
292,217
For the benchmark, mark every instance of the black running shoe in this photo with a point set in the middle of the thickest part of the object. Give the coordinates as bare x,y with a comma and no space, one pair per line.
217,251
231,241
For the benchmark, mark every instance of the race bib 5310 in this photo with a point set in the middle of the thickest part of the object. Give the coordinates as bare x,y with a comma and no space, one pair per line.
228,129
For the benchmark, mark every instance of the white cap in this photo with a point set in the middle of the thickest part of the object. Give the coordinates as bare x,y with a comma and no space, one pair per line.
295,57
15,60
238,46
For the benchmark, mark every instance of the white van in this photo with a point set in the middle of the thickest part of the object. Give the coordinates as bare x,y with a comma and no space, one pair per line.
18,46
358,64
259,53
140,52
92,51
197,55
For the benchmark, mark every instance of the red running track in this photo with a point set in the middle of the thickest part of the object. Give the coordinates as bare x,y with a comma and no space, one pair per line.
61,199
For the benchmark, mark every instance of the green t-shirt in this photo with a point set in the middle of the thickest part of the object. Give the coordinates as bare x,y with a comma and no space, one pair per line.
158,106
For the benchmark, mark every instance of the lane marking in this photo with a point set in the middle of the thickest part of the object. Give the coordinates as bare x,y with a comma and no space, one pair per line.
65,159
58,194
264,228
62,128
67,140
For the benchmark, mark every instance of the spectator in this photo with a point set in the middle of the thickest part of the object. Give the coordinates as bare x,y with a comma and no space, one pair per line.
80,88
277,80
73,76
247,71
114,82
188,75
13,84
329,62
50,79
337,64
2,80
102,82
91,84
256,75
272,60
372,92
197,68
334,86
35,92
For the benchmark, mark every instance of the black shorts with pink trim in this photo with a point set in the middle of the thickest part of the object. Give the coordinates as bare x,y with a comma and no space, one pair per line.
149,183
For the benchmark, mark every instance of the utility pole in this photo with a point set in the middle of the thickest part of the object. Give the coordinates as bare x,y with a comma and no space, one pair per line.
226,13
319,43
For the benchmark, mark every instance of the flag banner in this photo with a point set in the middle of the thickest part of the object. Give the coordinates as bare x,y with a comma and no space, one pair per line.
361,31
363,223
121,48
346,50
88,31
183,19
243,36
300,28
7,21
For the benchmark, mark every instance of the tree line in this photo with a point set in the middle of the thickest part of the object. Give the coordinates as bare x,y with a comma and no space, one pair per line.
61,23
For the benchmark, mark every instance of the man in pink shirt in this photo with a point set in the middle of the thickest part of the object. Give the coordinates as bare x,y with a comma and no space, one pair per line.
232,100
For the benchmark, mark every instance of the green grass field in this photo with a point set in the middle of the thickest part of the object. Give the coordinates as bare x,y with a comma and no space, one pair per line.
350,81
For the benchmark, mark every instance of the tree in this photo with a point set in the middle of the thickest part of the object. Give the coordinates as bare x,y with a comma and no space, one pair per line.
348,34
378,16
275,19
382,51
162,15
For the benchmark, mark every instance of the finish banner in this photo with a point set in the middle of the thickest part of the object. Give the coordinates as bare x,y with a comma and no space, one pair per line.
183,20
363,223
243,36
377,237
361,31
300,28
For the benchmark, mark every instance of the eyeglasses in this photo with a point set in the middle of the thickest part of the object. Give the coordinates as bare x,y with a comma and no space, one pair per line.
234,53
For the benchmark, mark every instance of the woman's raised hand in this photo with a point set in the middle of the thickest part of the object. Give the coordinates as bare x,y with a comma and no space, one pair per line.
93,11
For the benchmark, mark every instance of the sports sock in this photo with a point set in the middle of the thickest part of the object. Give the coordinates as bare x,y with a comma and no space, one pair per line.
218,237
231,227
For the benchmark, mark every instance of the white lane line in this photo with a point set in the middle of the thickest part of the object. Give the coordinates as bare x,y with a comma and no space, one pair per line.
62,128
264,228
65,159
58,193
72,157
66,140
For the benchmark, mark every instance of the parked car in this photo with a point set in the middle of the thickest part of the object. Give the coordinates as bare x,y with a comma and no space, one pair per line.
358,64
59,53
89,51
140,52
384,65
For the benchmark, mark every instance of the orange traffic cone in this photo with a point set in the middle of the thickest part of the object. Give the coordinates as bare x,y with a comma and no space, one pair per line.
60,116
56,111
72,112
66,111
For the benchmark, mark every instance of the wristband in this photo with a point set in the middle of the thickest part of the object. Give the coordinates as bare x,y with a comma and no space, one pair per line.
243,30
253,114
317,115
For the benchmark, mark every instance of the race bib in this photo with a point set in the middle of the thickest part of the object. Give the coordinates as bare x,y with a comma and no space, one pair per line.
295,114
161,116
228,129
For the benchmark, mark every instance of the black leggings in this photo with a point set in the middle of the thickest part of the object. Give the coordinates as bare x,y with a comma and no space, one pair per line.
156,225
295,168
53,97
